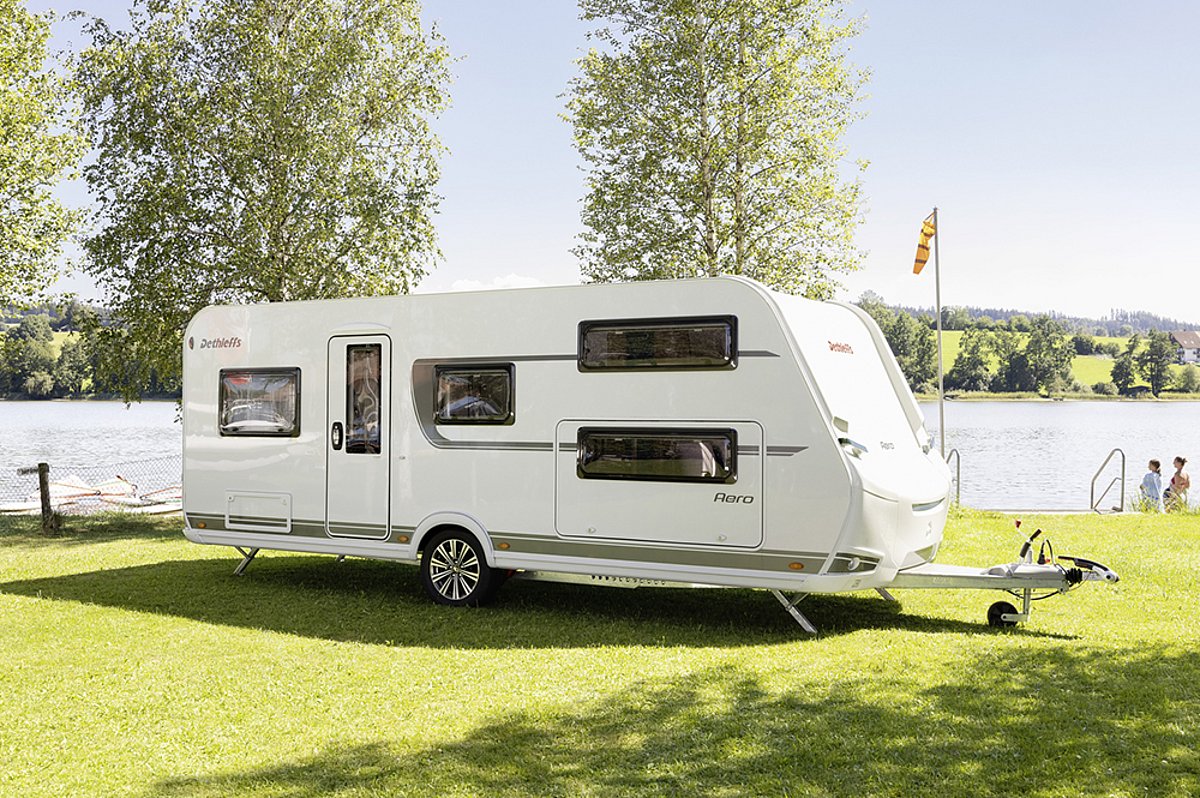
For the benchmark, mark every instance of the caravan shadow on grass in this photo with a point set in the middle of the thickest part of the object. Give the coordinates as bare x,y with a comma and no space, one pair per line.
383,603
1019,722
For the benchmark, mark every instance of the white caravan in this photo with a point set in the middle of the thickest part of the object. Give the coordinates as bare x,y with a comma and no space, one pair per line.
702,432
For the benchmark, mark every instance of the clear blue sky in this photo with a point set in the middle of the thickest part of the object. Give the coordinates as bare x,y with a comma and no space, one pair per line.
1060,141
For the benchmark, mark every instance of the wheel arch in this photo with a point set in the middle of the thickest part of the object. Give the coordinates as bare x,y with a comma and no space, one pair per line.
439,522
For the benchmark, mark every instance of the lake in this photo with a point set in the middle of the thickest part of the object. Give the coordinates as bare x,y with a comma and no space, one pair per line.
1015,455
1043,455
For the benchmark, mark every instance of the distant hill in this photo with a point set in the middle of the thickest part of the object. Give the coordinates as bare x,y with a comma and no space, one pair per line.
1118,324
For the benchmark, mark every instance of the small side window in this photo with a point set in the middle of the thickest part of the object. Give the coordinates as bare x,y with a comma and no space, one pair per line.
658,455
260,402
673,343
474,394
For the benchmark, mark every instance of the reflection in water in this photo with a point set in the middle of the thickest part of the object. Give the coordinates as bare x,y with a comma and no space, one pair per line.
1043,455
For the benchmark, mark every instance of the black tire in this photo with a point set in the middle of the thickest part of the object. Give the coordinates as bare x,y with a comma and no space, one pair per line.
998,609
455,572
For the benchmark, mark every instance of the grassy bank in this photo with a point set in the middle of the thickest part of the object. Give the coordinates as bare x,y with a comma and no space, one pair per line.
135,664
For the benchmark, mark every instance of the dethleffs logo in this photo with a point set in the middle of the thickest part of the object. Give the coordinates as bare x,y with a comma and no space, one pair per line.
843,348
232,342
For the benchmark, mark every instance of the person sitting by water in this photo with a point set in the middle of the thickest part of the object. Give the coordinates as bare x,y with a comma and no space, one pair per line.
1152,489
1175,497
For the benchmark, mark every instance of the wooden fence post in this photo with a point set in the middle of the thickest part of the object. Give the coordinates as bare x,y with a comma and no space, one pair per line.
49,522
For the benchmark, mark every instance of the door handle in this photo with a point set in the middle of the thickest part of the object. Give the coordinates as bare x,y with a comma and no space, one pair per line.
335,436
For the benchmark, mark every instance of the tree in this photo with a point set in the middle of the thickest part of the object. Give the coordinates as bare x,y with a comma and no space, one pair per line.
971,370
955,317
915,348
73,368
1188,380
1154,362
1083,344
27,350
1049,353
1123,373
39,145
1019,322
1013,373
711,132
877,309
257,150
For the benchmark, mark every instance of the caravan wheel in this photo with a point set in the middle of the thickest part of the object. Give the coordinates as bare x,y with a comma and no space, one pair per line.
455,572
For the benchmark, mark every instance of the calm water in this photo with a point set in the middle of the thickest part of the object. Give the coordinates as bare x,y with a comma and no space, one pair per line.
1043,455
1015,455
76,435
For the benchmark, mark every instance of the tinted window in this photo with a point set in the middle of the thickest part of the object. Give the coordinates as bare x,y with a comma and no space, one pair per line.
363,398
260,402
474,394
661,455
697,343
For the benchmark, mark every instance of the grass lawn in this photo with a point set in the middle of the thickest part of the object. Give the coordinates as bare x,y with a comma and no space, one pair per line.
136,664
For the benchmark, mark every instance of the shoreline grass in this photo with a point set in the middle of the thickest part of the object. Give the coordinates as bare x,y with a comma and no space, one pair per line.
136,664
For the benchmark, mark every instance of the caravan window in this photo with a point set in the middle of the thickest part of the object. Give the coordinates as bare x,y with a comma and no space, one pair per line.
260,402
658,455
693,343
475,394
363,404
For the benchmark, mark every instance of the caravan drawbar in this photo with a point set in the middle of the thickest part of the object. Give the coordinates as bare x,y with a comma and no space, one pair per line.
694,432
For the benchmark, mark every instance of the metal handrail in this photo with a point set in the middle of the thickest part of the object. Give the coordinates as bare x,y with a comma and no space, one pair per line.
957,474
1096,502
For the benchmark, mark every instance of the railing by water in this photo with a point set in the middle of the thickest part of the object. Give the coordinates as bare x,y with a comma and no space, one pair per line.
953,453
1096,502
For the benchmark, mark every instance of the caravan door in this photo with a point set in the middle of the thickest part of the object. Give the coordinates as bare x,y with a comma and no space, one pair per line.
358,436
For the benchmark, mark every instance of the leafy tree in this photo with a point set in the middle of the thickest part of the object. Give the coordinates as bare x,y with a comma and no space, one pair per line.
257,150
38,146
27,349
33,328
73,369
39,385
1188,380
1123,372
877,309
1014,372
711,132
915,347
971,370
1049,353
1083,344
1019,322
1154,362
955,317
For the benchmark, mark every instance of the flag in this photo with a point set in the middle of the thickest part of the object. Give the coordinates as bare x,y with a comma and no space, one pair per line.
928,231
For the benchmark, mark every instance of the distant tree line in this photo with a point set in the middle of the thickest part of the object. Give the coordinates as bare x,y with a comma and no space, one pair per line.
1119,323
31,368
1023,354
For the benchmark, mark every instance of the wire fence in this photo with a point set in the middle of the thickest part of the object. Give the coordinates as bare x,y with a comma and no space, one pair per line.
141,486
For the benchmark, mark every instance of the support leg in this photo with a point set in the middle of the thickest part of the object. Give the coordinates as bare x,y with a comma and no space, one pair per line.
790,606
886,595
341,558
247,556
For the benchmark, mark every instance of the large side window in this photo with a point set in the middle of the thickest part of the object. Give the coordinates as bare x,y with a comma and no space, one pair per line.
474,394
707,455
364,390
260,402
692,343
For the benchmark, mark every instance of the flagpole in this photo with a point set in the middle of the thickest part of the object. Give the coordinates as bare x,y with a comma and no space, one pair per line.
937,282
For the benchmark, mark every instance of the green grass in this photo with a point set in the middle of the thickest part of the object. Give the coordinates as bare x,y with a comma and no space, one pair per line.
136,664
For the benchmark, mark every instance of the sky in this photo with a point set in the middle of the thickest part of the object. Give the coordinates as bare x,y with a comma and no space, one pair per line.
1060,142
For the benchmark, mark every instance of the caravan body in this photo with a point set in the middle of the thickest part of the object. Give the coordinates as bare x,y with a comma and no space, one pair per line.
700,431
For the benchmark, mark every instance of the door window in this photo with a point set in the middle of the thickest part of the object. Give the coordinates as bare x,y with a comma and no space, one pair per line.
364,430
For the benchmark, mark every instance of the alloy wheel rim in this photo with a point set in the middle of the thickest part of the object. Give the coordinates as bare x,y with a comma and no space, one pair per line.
454,569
